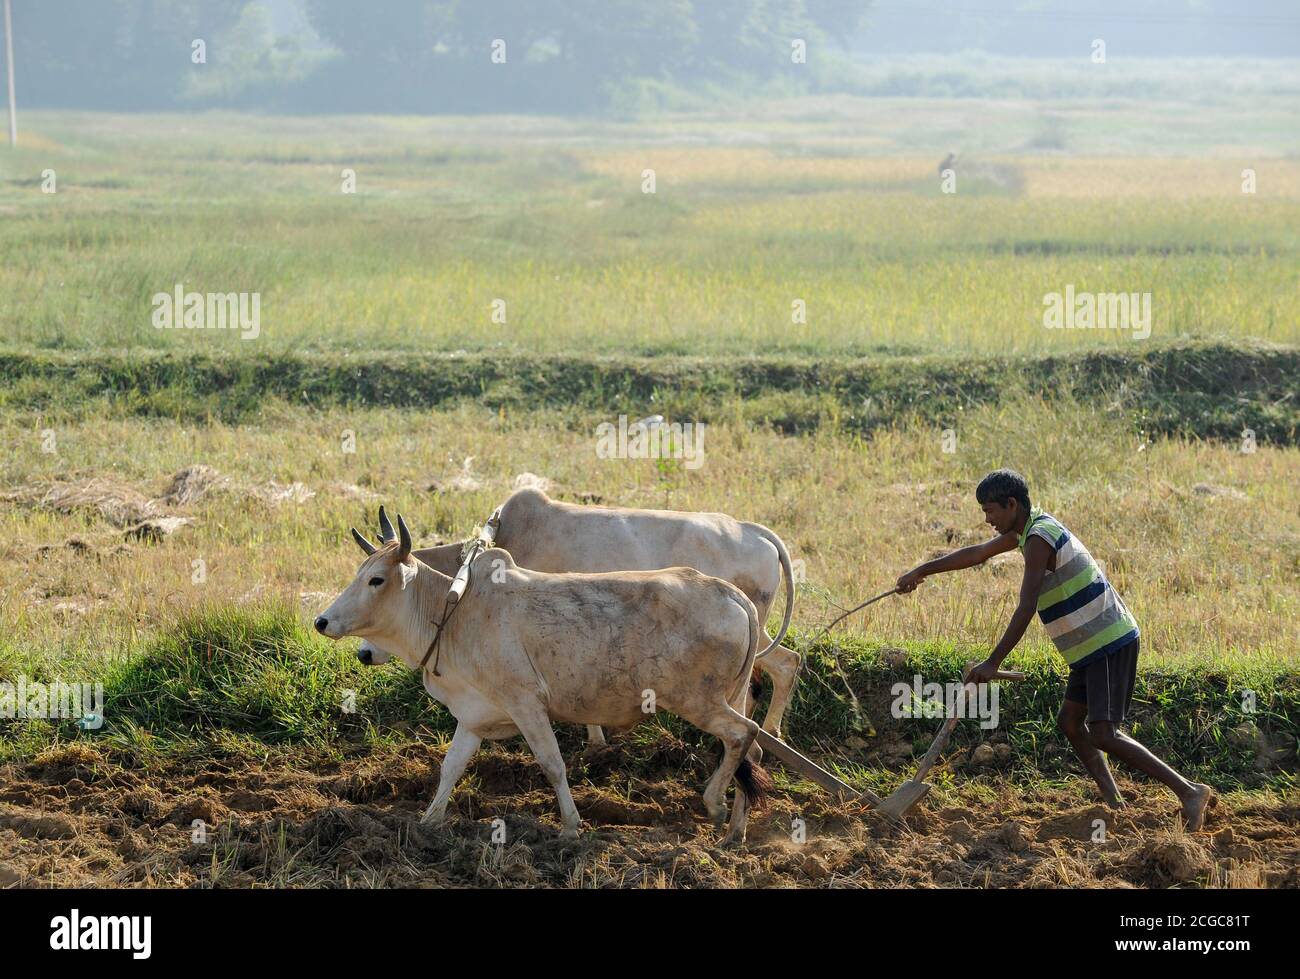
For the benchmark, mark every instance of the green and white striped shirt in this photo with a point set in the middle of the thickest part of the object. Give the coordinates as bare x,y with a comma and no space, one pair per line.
1078,607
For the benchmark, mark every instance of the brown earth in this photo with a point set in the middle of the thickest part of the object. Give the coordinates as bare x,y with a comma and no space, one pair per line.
76,818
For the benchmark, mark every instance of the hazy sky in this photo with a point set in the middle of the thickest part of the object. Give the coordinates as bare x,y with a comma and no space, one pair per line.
1056,28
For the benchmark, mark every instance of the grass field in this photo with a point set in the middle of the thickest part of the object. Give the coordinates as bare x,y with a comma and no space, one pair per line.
379,376
449,218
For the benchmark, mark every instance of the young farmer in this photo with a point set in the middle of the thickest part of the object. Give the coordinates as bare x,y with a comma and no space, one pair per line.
1087,621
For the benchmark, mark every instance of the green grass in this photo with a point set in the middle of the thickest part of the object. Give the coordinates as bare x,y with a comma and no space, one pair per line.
247,681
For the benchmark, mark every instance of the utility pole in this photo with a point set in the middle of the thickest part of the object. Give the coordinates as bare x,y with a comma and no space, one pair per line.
9,62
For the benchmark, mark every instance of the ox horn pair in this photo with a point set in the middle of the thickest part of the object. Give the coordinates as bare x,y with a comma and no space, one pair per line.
387,536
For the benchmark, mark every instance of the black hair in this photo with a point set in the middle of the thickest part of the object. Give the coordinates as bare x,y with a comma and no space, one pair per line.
1001,486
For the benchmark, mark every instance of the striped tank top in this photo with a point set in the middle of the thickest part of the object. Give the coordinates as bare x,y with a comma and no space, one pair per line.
1078,607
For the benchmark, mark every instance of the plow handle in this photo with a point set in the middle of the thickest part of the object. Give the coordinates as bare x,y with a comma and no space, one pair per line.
941,739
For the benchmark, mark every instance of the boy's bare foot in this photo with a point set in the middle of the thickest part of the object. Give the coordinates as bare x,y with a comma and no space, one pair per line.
1194,803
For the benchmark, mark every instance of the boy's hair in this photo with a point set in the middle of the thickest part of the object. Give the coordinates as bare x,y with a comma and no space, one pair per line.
1002,485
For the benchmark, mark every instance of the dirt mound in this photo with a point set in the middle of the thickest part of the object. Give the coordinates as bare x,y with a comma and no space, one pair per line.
76,818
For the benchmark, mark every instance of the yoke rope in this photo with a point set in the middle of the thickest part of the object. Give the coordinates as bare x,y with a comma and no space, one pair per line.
475,548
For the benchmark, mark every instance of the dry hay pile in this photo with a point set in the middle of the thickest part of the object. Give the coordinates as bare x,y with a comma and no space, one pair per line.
142,515
127,506
112,499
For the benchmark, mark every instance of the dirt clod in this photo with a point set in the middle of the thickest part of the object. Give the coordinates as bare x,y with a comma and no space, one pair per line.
1182,860
982,756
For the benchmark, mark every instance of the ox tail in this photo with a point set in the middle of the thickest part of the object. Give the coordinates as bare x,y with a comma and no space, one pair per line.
753,780
784,557
748,672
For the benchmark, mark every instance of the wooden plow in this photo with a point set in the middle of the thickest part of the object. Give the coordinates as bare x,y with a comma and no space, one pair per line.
907,795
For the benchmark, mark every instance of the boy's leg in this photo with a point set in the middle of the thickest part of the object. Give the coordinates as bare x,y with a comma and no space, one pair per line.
1110,691
1072,723
1193,795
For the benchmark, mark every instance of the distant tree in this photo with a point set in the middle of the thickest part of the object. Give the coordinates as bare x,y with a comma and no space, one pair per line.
748,37
394,32
840,20
119,54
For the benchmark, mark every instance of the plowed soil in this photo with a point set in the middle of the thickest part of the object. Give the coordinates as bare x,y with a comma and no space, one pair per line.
76,818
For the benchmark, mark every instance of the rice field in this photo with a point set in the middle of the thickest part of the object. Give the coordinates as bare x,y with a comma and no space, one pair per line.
515,236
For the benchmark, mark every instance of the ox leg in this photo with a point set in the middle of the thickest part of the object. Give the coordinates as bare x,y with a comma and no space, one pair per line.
739,820
535,726
782,665
463,745
595,738
736,732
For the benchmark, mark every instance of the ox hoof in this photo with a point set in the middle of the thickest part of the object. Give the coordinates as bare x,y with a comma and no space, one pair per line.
432,819
732,841
719,817
568,834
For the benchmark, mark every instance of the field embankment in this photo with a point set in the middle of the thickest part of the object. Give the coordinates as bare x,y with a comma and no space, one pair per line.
1199,389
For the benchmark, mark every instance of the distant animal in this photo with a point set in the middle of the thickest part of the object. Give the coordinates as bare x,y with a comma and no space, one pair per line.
526,648
549,535
949,162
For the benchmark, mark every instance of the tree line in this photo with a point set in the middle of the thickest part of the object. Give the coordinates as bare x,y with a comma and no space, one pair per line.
423,56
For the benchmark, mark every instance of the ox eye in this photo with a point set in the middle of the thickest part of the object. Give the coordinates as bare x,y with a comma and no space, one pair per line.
375,582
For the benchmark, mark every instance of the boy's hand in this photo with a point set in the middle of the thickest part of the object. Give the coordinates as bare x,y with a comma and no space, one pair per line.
982,672
909,581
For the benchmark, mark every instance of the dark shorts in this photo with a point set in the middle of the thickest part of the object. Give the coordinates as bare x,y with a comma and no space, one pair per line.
1106,685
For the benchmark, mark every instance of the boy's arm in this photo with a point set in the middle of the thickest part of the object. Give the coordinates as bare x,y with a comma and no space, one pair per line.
1037,553
964,557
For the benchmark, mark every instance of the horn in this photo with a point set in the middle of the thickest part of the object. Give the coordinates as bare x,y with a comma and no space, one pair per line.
385,528
405,548
362,543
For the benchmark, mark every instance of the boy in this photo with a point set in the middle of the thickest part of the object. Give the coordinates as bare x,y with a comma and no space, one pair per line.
1091,627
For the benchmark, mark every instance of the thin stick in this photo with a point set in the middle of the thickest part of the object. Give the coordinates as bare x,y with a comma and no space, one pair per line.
858,608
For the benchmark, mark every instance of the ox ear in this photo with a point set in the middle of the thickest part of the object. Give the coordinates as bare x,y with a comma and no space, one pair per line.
386,534
362,543
404,549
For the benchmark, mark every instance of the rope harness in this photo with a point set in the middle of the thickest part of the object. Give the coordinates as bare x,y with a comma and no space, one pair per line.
459,584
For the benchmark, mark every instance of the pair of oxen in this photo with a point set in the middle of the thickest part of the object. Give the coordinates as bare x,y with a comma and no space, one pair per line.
587,615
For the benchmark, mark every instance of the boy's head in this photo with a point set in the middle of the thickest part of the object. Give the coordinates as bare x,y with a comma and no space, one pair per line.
1004,497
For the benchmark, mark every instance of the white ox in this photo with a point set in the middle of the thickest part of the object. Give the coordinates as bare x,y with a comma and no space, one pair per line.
542,534
524,648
